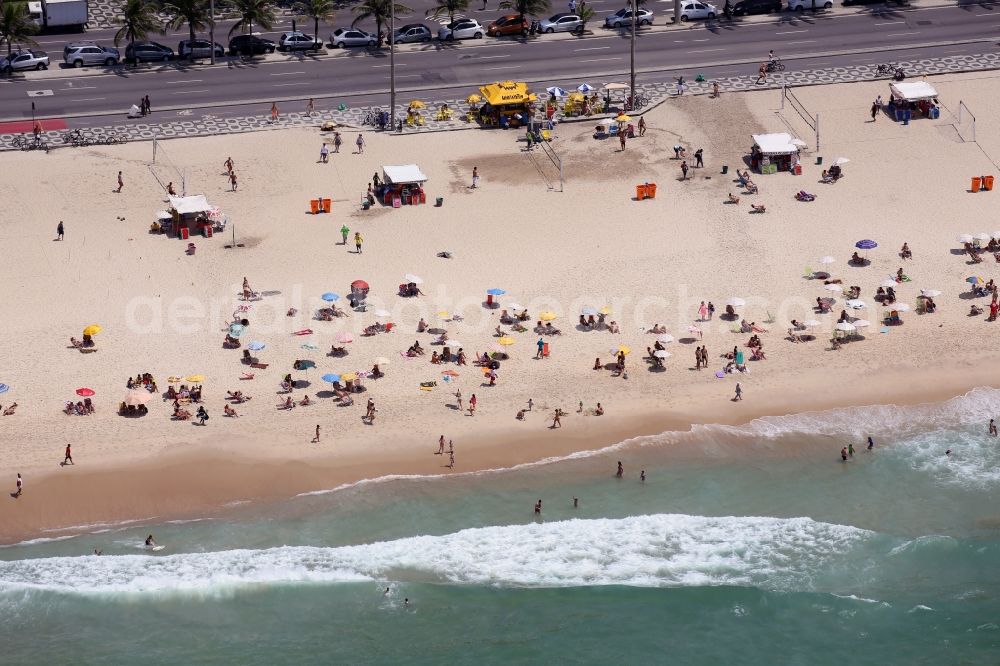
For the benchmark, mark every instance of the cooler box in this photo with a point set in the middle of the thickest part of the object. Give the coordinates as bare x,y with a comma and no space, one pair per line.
545,349
651,190
423,197
935,113
798,169
396,202
640,192
314,206
987,183
975,183
183,233
327,205
206,231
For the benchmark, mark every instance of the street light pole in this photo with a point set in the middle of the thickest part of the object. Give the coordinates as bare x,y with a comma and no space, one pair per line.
631,48
211,27
392,65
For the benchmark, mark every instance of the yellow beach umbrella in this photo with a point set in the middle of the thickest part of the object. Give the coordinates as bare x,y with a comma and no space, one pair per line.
576,97
349,377
93,329
195,378
443,314
624,349
474,99
547,316
174,379
606,310
417,104
506,341
623,118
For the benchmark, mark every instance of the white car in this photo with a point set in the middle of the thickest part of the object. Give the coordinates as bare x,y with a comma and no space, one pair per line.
692,10
466,28
799,5
623,18
561,23
342,37
298,41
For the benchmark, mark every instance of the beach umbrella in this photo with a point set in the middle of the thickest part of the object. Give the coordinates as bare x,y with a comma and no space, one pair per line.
236,330
515,306
137,397
889,282
495,292
606,310
623,118
624,349
85,392
330,377
585,88
495,347
174,379
349,376
589,311
415,279
996,234
473,99
661,353
381,360
665,339
382,314
443,314
195,378
359,284
256,345
811,323
861,323
452,343
984,237
799,142
547,315
330,297
833,287
866,244
694,329
930,293
93,329
736,302
345,338
4,388
974,280
856,304
840,161
845,326
964,238
557,91
417,104
900,307
506,341
305,364
827,260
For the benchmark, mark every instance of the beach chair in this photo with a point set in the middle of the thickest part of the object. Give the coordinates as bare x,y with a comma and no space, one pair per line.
546,135
809,273
409,121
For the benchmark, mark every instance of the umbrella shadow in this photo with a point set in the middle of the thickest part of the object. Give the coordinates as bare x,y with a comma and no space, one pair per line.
687,341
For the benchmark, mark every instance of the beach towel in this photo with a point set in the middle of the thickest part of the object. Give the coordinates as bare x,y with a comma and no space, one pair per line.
310,346
304,331
428,384
720,374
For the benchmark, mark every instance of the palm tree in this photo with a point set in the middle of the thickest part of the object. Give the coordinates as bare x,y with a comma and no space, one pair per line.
527,7
380,10
448,7
259,12
317,10
192,12
15,26
586,13
138,19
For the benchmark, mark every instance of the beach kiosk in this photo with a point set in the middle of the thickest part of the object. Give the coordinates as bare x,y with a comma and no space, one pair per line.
506,104
402,184
771,153
907,98
189,216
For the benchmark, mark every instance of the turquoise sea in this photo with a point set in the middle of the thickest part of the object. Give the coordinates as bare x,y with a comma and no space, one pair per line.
779,555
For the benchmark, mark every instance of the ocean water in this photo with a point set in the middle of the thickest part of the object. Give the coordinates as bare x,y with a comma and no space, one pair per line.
762,549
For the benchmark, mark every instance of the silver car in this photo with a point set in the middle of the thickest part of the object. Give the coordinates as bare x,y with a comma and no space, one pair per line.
22,60
466,28
623,18
562,23
79,54
414,32
342,37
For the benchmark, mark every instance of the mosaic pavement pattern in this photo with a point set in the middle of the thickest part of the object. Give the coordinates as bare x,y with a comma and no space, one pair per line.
353,117
103,14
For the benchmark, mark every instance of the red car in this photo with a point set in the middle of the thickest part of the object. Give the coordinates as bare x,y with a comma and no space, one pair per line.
511,24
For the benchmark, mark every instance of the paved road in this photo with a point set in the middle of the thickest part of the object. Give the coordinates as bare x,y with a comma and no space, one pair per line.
441,70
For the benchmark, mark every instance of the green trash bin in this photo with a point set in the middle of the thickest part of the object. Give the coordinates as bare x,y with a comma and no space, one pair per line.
439,202
725,169
819,160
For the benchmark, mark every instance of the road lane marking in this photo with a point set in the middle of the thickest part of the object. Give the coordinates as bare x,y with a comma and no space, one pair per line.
297,83
707,50
401,64
804,41
592,48
87,99
699,40
186,81
492,57
284,73
493,69
902,34
603,59
188,92
790,32
69,84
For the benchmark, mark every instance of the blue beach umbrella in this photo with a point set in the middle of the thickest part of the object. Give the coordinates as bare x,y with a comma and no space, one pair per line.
330,297
305,364
236,330
330,377
256,345
4,388
495,292
556,90
866,244
585,87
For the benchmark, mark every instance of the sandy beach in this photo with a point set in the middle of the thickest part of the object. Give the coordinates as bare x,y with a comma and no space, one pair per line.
651,262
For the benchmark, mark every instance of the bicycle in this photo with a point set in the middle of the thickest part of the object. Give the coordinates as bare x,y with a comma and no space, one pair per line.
885,70
115,139
372,117
775,66
24,142
636,102
77,138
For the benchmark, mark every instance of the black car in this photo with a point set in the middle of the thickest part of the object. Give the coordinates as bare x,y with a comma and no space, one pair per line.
250,45
744,7
148,52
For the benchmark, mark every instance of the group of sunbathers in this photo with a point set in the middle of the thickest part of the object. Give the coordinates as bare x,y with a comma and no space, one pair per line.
378,327
745,181
446,356
86,343
507,319
885,296
144,380
415,349
751,327
184,393
546,329
328,313
410,289
79,408
287,403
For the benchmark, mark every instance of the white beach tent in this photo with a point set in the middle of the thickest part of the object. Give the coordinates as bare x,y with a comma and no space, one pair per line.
780,143
913,91
403,174
188,205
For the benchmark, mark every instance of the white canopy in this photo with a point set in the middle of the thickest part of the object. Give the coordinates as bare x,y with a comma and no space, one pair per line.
775,144
404,173
913,91
194,204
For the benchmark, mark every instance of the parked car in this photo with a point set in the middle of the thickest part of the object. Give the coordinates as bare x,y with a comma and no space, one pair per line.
342,37
414,32
623,18
743,7
561,23
462,29
199,48
148,52
799,5
298,41
510,24
79,54
692,10
18,61
247,45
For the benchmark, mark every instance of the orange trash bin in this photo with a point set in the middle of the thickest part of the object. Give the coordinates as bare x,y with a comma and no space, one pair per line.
327,204
314,206
640,192
651,190
545,349
987,183
975,183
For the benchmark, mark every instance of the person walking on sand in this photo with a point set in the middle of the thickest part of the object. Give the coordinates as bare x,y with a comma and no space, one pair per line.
684,170
68,457
59,230
557,418
472,405
531,404
344,231
458,398
621,140
361,144
715,89
642,125
850,450
874,111
871,443
20,486
202,415
229,165
316,438
699,162
440,451
621,470
739,392
274,112
451,459
358,240
121,183
337,141
475,177
541,348
843,454
702,311
233,184
324,153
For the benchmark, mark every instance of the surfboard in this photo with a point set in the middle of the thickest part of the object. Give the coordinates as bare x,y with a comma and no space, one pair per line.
155,548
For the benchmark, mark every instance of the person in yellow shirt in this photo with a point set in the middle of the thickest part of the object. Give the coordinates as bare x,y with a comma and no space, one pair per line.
358,240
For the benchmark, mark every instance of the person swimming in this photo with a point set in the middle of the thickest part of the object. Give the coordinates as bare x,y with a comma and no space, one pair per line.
150,541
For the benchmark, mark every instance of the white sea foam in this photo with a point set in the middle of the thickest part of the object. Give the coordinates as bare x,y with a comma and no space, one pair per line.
664,550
